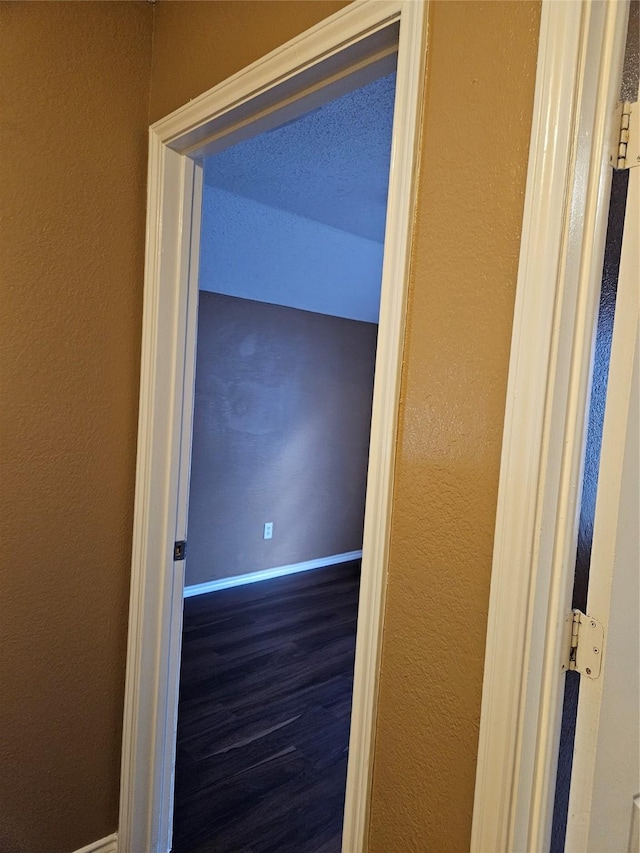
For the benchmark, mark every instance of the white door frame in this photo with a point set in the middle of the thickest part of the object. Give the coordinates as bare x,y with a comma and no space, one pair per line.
579,66
604,555
250,99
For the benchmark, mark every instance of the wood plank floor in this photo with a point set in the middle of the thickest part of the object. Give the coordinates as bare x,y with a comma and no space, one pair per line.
263,723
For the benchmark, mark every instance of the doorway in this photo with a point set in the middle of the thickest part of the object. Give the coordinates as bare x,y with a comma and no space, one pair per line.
348,50
291,248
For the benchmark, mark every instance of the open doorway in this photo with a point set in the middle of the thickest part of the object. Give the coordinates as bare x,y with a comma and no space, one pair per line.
357,45
291,251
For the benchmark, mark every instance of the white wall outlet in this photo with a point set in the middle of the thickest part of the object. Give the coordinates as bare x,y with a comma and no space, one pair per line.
268,530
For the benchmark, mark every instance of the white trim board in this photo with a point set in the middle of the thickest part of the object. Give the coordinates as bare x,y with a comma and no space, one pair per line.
105,845
320,57
269,574
588,802
564,226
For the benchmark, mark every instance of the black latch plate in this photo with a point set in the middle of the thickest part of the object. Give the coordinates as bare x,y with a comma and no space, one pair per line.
179,550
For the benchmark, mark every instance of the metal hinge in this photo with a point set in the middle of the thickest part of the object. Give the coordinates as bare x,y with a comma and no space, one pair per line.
625,149
179,550
584,646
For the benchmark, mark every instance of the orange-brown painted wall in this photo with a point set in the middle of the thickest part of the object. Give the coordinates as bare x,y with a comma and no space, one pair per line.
80,82
73,109
198,43
478,95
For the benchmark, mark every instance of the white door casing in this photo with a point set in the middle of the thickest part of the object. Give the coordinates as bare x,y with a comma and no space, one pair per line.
288,81
606,763
579,64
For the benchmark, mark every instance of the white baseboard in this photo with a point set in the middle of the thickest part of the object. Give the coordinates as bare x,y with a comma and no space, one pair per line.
105,845
267,574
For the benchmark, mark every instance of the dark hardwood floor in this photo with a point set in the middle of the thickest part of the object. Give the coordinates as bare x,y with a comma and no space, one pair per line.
263,724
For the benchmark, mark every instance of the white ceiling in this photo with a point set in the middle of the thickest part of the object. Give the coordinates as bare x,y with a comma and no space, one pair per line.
330,165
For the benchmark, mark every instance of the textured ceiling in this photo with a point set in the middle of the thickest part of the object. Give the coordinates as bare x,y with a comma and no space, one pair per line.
330,165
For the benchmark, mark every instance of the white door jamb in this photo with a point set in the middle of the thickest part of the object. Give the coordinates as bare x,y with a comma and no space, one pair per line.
579,64
605,556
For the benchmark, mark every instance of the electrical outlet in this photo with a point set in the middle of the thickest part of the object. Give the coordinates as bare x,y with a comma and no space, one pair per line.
268,530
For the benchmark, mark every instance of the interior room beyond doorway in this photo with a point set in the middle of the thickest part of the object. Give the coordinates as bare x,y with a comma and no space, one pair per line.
291,255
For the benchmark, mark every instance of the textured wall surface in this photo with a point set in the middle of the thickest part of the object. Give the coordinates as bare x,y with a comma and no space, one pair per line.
73,103
290,260
198,43
281,434
479,88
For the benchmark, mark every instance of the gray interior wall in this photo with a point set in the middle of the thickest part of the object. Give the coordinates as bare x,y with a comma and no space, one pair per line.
289,260
281,434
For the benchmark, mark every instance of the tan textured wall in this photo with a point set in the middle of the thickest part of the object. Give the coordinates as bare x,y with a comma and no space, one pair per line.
198,43
479,93
478,101
73,106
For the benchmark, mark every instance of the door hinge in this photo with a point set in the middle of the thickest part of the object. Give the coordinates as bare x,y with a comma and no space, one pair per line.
179,550
625,148
584,645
